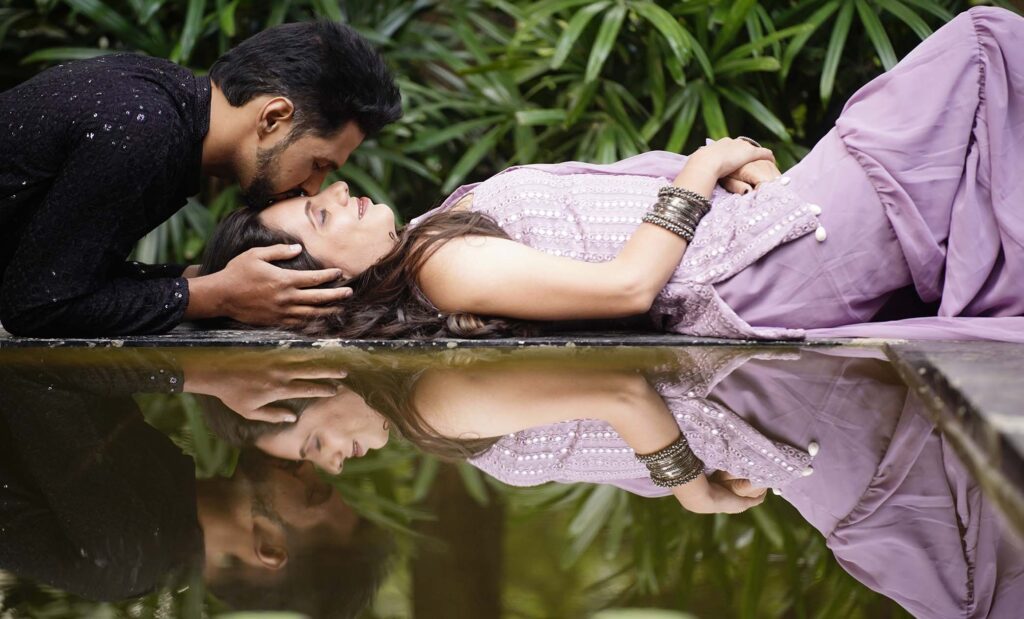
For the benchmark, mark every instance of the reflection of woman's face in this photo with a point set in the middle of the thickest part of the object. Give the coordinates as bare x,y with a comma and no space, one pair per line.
340,231
328,432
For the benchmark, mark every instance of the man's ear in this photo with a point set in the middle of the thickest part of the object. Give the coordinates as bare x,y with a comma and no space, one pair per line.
276,116
269,543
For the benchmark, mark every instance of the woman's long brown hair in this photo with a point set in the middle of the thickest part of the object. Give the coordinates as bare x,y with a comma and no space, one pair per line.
387,302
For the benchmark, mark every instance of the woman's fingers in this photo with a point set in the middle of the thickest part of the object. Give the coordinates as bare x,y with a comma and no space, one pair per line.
757,172
734,185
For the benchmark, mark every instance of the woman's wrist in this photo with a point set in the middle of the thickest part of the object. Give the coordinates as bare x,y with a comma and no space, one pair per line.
698,175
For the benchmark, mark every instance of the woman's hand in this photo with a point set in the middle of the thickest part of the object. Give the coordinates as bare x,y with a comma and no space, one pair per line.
722,494
727,155
748,177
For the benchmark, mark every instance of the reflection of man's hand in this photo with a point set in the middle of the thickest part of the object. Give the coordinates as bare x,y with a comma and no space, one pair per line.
250,383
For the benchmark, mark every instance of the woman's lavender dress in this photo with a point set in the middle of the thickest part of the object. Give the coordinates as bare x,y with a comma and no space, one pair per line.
920,183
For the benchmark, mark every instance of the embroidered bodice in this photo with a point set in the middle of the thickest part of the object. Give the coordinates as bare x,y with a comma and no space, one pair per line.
588,212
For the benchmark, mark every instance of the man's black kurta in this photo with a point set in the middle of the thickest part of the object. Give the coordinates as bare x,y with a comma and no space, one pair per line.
93,155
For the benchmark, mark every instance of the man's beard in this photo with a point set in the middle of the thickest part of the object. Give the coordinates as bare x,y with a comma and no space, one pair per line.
260,192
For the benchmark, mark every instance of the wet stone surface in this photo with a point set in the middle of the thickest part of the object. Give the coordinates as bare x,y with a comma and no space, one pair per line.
189,337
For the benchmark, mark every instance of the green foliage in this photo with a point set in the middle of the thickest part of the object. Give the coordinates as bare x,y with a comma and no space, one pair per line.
493,83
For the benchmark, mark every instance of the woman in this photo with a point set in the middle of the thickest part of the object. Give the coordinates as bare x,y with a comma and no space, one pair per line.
472,408
916,188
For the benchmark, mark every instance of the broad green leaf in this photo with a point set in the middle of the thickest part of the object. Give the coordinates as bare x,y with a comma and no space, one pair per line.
684,121
330,9
751,105
655,77
673,33
909,17
425,476
226,17
473,482
700,55
765,40
747,65
526,144
400,160
540,117
480,149
605,41
580,102
930,6
576,26
112,21
622,118
278,11
797,43
190,31
877,34
711,110
447,134
735,19
64,53
836,44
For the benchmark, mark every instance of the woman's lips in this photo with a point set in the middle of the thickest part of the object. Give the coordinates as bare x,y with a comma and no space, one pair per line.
364,203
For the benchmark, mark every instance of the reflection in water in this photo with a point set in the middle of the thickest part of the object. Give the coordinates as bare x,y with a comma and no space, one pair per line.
835,432
96,502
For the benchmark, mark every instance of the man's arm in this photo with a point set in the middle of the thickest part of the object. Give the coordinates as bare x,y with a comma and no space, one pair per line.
63,276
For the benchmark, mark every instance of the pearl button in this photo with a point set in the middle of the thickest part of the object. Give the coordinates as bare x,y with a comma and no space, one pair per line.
807,471
820,234
813,449
815,209
784,180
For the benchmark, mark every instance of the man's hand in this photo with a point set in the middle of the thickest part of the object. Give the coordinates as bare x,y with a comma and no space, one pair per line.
252,290
249,383
731,496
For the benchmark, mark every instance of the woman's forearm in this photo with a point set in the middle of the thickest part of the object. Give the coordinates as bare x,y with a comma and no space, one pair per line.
647,261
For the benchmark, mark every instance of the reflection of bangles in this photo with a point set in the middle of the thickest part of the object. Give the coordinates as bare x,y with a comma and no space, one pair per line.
748,140
673,465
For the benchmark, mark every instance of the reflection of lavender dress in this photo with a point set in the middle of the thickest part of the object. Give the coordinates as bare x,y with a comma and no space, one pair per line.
591,450
919,185
896,507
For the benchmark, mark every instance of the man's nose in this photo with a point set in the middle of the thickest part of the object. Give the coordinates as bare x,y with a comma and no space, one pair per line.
314,183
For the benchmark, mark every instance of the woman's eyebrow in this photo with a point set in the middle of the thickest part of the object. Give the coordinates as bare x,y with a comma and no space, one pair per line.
309,213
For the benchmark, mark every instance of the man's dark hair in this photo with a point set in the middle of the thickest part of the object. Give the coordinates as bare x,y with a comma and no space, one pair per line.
329,71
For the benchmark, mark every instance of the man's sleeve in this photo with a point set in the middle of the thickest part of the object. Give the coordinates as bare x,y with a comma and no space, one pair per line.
63,279
140,270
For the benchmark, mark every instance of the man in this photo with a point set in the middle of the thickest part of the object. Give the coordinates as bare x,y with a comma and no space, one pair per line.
99,152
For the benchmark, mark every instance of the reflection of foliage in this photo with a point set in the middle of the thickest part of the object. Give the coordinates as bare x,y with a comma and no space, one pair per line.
488,84
628,551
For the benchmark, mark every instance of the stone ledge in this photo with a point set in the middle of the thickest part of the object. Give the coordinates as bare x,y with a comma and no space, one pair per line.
975,394
189,337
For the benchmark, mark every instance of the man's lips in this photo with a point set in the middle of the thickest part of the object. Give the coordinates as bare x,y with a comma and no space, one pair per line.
357,449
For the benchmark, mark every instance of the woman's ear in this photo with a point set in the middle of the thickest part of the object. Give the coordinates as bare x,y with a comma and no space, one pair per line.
269,543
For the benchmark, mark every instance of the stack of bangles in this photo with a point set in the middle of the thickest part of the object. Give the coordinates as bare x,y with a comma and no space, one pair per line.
674,465
678,210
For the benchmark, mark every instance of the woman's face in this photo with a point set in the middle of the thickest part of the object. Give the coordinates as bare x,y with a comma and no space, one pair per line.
337,229
328,432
